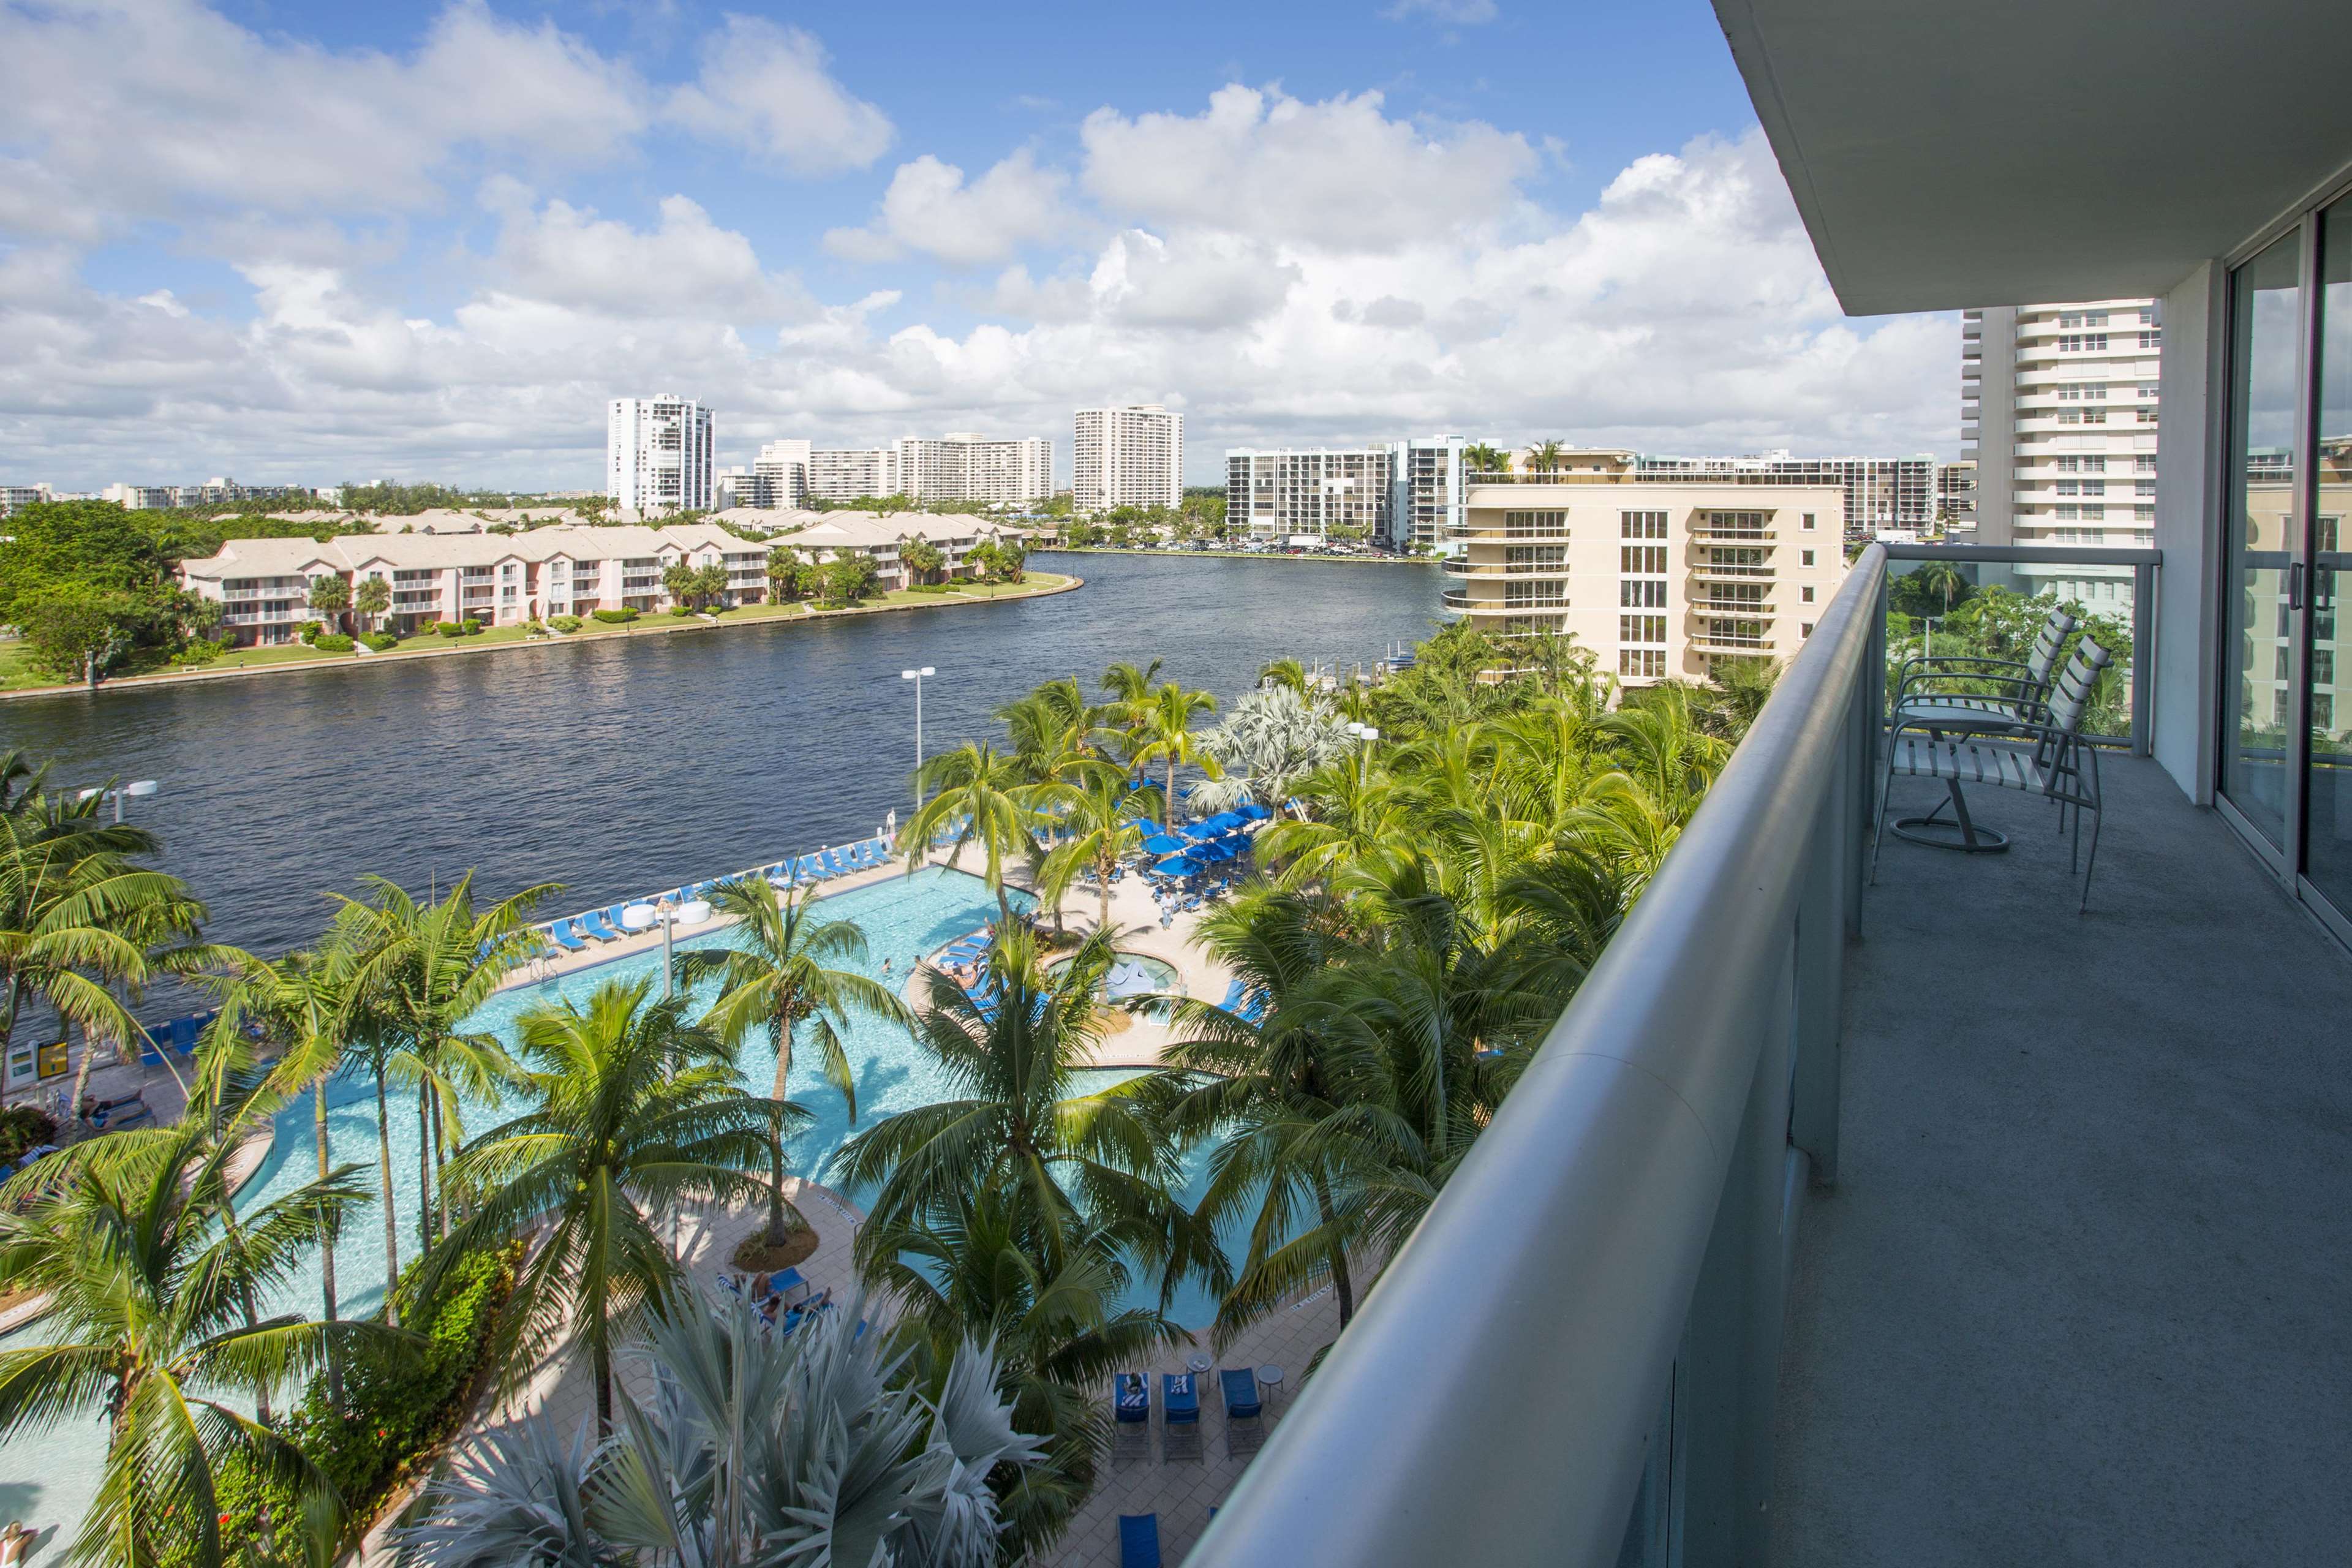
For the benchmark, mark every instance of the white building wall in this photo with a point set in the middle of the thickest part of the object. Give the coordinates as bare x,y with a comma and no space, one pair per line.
846,473
1288,492
658,454
1131,456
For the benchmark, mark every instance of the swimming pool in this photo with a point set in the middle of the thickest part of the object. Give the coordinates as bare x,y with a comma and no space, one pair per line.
904,918
1136,974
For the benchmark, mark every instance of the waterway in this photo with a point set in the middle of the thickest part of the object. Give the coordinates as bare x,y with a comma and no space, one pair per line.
626,764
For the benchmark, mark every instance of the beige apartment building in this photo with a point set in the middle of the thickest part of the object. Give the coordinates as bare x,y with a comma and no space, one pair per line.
1659,577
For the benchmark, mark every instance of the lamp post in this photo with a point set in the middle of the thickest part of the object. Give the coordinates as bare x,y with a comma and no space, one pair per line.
138,787
666,912
917,677
1368,734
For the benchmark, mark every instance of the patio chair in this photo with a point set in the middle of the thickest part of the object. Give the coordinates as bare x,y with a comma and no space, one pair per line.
2049,758
1244,1410
1180,1416
595,924
1138,1541
560,934
1964,694
1130,1424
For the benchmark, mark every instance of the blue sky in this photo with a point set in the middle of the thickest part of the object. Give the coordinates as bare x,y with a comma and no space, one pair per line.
313,243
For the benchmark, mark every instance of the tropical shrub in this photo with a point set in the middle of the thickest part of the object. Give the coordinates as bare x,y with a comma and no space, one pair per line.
449,628
396,1409
24,1127
469,626
681,611
332,642
311,630
564,623
616,617
383,642
199,652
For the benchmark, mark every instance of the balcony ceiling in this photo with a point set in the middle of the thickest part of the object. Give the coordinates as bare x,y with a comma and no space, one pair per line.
2008,151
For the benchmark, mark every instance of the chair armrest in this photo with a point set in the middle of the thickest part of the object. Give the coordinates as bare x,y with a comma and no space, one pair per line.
2017,690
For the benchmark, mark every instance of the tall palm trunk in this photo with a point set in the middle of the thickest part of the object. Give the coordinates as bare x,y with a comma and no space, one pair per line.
326,1253
391,1220
1341,1284
440,1177
600,1358
783,1033
424,1168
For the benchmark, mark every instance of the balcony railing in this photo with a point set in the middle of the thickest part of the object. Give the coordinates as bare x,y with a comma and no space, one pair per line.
1456,599
1462,567
1712,571
1586,1324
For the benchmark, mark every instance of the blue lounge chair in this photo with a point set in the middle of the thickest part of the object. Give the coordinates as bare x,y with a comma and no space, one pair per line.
832,865
560,934
1180,1416
1130,1413
1244,1410
613,919
592,923
857,858
1138,1541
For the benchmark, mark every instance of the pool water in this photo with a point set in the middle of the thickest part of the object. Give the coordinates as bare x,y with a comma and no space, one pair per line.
904,918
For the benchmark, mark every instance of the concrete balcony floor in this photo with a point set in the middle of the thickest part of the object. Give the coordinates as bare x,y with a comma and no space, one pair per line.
2081,1294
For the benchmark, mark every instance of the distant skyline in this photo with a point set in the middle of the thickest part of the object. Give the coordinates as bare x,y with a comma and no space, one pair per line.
301,243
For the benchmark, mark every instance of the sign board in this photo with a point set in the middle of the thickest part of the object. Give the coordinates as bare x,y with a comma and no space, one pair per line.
53,1060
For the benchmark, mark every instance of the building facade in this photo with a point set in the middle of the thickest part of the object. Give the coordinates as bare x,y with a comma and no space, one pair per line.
1425,494
1662,577
14,497
781,474
850,473
2058,408
1882,494
658,454
1307,493
969,467
1132,456
263,585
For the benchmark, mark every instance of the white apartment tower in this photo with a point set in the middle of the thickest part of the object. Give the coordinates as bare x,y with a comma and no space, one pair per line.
1425,501
658,454
2058,407
847,473
1881,493
1132,456
1308,493
966,466
781,474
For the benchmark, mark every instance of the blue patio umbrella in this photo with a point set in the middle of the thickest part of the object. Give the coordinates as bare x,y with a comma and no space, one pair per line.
1223,821
1217,849
1161,843
1250,811
1177,866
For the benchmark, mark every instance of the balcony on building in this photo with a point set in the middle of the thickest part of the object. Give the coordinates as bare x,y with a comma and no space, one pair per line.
1927,1220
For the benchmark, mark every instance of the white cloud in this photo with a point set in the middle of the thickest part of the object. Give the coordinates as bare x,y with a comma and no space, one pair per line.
1457,13
1338,173
567,255
159,108
929,209
766,88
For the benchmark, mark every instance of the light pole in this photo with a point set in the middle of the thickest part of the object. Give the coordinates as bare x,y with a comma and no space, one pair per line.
666,912
917,677
139,787
1368,734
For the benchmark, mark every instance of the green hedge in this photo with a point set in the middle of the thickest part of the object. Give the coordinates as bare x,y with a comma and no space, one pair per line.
396,1408
383,642
564,623
616,617
332,642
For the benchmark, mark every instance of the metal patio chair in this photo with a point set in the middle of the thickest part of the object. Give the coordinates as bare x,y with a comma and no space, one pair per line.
2049,758
1967,695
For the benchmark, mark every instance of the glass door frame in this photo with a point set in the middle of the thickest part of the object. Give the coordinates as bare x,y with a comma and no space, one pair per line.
2291,858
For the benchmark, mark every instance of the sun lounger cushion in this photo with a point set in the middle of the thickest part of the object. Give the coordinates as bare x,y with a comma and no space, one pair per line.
1138,1541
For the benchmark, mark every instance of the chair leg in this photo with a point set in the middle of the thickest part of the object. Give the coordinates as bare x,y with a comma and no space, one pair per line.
2074,850
2091,863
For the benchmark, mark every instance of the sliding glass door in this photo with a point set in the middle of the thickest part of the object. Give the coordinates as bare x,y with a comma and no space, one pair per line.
2286,721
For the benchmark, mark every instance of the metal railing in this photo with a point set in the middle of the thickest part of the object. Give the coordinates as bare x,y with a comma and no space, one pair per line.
1574,1358
2147,568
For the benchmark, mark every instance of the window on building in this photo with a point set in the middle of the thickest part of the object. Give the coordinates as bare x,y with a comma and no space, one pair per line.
1642,629
1643,593
2068,487
1808,519
2083,391
2148,415
1644,558
1809,558
2147,389
2152,340
2089,343
1806,592
1804,629
2147,316
1649,663
1643,525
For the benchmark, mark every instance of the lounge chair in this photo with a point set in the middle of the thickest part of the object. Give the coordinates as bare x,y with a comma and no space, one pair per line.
860,856
2050,760
1965,695
613,919
804,871
1130,1428
1244,1410
832,865
788,1284
560,933
594,925
1138,1541
1180,1416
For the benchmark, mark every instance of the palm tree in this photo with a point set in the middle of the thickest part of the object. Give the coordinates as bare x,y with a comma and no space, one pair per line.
970,1269
1164,726
80,920
1273,737
821,1449
983,795
1478,457
372,598
151,1319
1286,672
777,978
1129,684
1546,457
1103,816
420,971
1024,1121
638,1114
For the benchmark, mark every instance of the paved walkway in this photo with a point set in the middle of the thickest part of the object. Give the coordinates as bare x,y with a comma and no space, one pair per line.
2079,1295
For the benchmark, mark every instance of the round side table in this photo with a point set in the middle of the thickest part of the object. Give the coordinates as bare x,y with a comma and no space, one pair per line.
1198,1365
1270,1379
